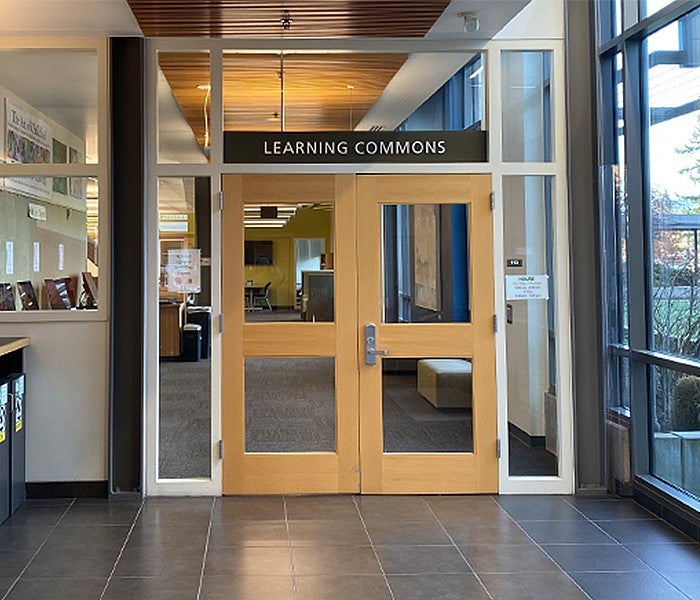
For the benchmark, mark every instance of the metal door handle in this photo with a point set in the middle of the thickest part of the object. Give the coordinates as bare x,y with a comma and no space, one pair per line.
371,352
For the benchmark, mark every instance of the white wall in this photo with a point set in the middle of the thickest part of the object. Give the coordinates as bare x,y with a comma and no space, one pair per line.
67,368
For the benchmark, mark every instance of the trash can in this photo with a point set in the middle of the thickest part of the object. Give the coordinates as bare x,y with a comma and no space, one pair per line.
191,343
201,315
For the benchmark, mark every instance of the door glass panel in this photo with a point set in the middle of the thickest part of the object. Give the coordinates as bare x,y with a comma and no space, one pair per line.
184,328
290,404
288,259
530,326
427,405
425,263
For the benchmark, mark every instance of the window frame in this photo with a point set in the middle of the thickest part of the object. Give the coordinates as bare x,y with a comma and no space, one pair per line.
638,348
99,170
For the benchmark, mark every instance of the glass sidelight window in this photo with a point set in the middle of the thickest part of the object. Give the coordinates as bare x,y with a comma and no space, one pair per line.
184,309
530,326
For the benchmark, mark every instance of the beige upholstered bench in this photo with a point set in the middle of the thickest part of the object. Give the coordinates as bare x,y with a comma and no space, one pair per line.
446,382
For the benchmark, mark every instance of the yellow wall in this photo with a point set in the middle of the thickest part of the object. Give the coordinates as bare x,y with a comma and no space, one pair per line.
306,223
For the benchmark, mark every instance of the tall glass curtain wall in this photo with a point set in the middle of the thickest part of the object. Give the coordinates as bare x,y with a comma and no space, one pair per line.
650,199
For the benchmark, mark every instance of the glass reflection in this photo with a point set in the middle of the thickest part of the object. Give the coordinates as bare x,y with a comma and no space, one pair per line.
290,404
288,257
425,263
427,405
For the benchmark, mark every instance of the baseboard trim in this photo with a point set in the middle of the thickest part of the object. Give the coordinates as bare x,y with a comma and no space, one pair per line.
66,489
533,441
666,502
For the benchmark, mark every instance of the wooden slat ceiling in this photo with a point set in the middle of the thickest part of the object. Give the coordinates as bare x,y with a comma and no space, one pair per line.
316,93
309,18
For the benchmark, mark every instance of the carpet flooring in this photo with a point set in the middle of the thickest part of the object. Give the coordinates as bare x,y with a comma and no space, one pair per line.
184,438
290,407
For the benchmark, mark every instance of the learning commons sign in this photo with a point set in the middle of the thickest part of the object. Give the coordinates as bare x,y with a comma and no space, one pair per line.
355,147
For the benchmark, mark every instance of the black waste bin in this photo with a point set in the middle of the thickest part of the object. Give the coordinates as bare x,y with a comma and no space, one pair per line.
201,315
191,343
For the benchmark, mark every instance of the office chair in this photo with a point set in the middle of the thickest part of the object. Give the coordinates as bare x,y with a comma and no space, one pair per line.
263,296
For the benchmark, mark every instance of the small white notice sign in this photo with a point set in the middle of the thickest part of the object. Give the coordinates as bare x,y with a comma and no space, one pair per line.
527,287
61,257
184,271
9,258
37,257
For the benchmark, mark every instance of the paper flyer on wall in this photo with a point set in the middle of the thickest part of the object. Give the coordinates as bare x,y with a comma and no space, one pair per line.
183,270
527,287
28,140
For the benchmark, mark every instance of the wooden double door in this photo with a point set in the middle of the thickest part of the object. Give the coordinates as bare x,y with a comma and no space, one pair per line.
395,391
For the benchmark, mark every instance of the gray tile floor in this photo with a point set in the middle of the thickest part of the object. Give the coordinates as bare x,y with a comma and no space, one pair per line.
342,547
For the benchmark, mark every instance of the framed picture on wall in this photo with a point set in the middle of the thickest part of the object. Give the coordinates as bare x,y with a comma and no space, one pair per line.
27,295
7,296
60,156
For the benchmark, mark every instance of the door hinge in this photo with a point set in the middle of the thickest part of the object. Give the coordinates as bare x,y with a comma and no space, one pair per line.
221,323
495,323
221,449
492,195
498,448
221,200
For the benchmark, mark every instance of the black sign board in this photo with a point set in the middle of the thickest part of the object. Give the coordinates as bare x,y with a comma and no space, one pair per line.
514,262
355,147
